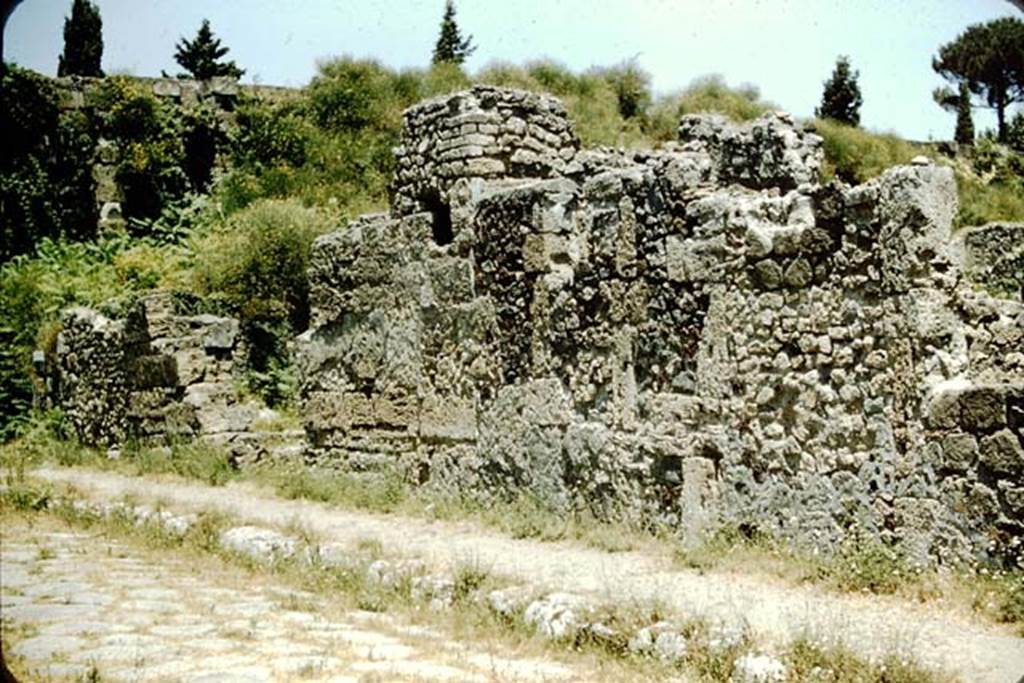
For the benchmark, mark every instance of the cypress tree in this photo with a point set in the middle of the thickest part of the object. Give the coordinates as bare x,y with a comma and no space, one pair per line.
964,125
201,56
451,48
83,41
841,98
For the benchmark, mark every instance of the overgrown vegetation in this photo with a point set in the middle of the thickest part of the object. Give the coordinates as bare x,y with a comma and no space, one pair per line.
46,185
814,661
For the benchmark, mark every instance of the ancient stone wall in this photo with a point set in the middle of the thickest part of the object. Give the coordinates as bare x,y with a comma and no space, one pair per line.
700,335
156,376
993,256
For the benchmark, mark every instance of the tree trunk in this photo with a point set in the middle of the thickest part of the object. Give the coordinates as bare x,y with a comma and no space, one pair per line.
1001,118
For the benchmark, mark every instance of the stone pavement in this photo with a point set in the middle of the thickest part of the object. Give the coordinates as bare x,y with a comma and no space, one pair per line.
75,603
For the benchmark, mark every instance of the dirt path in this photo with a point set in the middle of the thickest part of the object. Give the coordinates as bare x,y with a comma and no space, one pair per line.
75,603
870,625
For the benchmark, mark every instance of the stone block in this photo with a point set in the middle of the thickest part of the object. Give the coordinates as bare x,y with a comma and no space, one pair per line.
157,370
982,408
959,452
447,418
220,334
1002,453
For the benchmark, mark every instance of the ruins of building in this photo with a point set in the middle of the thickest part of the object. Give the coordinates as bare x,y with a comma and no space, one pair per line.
699,335
159,374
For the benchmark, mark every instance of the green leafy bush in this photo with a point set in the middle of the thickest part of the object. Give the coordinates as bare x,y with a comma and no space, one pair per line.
256,262
46,184
270,133
355,94
258,258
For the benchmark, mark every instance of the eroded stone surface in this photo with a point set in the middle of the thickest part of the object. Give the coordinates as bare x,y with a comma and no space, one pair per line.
702,334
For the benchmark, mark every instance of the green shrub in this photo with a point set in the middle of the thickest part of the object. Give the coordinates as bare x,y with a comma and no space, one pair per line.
256,262
708,94
865,564
439,79
353,94
855,155
257,259
270,133
632,87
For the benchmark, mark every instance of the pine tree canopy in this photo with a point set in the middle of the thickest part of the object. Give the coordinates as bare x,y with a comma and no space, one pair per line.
200,57
989,59
451,47
83,41
841,98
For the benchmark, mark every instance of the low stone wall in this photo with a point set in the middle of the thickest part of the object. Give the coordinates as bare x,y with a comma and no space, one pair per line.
156,376
700,335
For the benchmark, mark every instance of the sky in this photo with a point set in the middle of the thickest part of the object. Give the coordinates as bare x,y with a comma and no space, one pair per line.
787,48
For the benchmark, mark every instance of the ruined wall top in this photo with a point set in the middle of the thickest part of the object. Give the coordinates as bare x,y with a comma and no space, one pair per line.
485,132
501,134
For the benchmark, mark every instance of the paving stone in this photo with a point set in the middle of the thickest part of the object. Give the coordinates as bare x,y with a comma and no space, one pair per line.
62,670
305,666
152,606
157,624
36,612
161,594
47,647
252,675
419,670
182,630
82,628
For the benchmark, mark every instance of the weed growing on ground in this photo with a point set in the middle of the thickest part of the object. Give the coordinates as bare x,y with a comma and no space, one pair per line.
812,661
865,565
194,460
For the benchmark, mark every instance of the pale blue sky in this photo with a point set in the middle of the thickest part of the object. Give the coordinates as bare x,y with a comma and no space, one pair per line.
785,47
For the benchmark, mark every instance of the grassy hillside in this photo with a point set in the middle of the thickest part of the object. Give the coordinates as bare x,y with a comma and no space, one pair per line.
302,166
